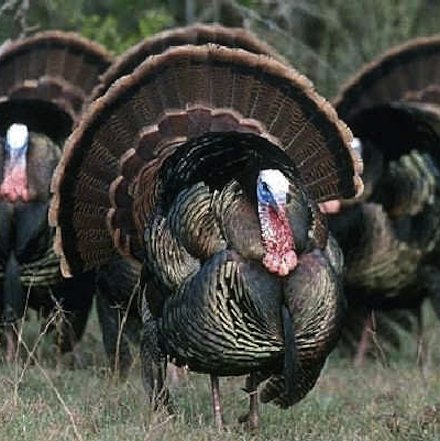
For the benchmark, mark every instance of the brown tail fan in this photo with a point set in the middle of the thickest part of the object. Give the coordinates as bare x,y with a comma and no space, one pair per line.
393,101
197,35
183,93
46,78
409,72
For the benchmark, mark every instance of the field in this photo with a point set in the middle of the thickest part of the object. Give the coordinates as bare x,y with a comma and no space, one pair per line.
392,399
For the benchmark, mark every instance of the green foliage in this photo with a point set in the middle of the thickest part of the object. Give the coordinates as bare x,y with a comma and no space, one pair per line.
117,24
107,29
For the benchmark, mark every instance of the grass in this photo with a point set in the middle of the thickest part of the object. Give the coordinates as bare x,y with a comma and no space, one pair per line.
376,402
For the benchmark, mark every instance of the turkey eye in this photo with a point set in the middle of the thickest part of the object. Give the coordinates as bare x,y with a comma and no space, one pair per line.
264,187
288,198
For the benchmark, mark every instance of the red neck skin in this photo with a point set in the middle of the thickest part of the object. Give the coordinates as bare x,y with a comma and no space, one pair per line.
280,257
14,187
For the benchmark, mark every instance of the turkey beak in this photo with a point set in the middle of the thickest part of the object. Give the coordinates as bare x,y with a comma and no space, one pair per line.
278,203
275,205
279,208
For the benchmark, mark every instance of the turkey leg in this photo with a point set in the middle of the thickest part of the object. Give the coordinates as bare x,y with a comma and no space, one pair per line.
216,405
365,341
11,343
421,352
252,418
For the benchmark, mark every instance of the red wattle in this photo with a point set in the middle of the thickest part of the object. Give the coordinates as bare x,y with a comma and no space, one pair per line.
14,186
280,257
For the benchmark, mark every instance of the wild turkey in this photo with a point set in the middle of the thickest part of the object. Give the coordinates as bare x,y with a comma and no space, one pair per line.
390,237
178,165
44,81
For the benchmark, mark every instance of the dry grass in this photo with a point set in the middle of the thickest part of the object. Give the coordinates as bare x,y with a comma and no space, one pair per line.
45,402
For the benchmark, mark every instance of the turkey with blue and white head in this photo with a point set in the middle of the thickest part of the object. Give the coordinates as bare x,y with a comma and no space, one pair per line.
391,236
45,79
207,164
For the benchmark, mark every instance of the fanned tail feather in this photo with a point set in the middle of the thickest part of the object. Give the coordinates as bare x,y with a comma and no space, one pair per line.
197,34
46,79
173,97
408,72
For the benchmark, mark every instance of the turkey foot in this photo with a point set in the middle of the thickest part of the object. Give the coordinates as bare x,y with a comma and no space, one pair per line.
251,420
216,405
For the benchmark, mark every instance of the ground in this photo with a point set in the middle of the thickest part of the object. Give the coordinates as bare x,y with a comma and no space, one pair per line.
392,400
